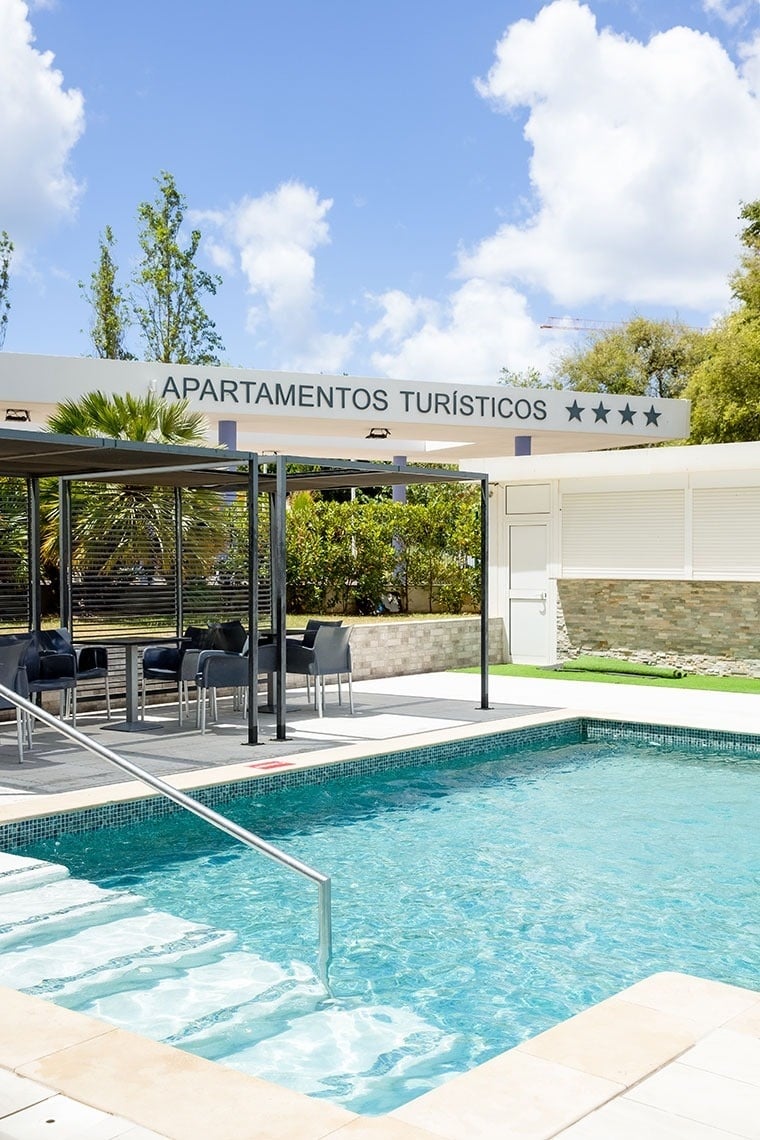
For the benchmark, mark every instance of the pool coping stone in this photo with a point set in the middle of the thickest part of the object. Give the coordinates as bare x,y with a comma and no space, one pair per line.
606,1053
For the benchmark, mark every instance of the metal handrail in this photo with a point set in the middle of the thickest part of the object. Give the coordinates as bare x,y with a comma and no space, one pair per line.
214,818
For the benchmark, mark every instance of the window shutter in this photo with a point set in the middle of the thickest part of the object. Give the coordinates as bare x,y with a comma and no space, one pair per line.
726,542
623,534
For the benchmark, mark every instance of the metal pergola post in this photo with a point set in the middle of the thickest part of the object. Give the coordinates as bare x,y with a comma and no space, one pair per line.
252,495
179,584
33,551
279,588
65,556
484,593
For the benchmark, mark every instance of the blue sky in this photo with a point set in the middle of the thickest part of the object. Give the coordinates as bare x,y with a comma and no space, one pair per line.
406,189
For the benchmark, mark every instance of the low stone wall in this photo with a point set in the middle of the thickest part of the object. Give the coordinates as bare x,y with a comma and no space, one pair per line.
404,646
706,627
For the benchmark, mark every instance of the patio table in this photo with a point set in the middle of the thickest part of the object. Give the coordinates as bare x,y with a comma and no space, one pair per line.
132,644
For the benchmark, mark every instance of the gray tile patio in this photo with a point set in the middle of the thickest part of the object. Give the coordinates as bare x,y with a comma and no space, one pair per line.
164,749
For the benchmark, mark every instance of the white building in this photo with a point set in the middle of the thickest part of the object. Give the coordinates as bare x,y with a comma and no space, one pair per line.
647,551
651,552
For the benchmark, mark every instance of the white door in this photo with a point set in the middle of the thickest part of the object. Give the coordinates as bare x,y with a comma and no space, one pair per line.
531,614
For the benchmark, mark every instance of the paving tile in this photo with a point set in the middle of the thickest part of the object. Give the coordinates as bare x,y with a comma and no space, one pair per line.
615,1039
623,1119
746,1022
706,1003
728,1054
181,1095
380,1128
138,1133
18,1092
512,1097
704,1097
61,1118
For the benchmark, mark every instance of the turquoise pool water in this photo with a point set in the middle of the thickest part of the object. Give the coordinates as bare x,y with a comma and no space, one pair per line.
474,904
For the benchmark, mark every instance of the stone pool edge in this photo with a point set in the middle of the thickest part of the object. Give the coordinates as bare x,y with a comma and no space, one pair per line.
536,1091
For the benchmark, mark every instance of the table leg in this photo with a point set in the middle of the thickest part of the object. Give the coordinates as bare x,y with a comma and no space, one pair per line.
133,722
133,710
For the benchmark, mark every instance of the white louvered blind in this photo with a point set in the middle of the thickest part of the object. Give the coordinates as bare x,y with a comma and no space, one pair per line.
726,532
623,534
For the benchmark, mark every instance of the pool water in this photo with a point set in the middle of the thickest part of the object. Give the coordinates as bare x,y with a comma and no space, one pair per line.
476,904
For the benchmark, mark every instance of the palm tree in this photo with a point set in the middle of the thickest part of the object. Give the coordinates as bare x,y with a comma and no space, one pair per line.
118,527
146,419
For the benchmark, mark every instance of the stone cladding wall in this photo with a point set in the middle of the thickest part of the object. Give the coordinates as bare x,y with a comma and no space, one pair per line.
705,627
396,648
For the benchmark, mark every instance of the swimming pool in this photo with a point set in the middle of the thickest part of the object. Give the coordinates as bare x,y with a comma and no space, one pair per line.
476,901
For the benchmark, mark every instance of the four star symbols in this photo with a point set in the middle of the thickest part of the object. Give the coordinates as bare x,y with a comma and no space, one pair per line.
601,411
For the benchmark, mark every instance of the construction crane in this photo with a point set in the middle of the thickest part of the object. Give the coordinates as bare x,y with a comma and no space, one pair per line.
584,324
579,324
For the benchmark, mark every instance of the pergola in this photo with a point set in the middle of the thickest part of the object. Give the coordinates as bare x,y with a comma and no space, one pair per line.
36,455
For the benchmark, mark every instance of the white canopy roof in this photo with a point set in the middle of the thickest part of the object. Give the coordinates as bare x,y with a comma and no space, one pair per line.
353,417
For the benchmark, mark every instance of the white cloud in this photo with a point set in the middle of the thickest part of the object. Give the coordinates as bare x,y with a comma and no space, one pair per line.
750,56
323,352
272,240
641,156
275,237
40,123
731,14
401,315
481,327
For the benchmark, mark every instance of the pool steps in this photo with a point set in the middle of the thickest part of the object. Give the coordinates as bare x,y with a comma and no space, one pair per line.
92,961
18,872
107,954
40,911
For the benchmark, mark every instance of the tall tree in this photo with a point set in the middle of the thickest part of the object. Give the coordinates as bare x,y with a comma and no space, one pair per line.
111,317
6,253
745,282
174,324
641,357
725,389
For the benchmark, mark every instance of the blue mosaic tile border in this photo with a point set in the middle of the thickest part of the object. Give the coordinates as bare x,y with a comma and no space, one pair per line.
742,743
17,835
22,833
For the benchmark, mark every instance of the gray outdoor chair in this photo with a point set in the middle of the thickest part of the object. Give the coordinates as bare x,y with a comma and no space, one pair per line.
52,670
312,626
219,670
330,655
91,660
13,676
307,639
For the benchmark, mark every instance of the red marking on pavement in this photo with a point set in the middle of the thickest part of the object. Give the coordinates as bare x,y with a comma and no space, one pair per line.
272,764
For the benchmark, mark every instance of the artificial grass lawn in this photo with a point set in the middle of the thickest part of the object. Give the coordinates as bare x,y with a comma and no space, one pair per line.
691,681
